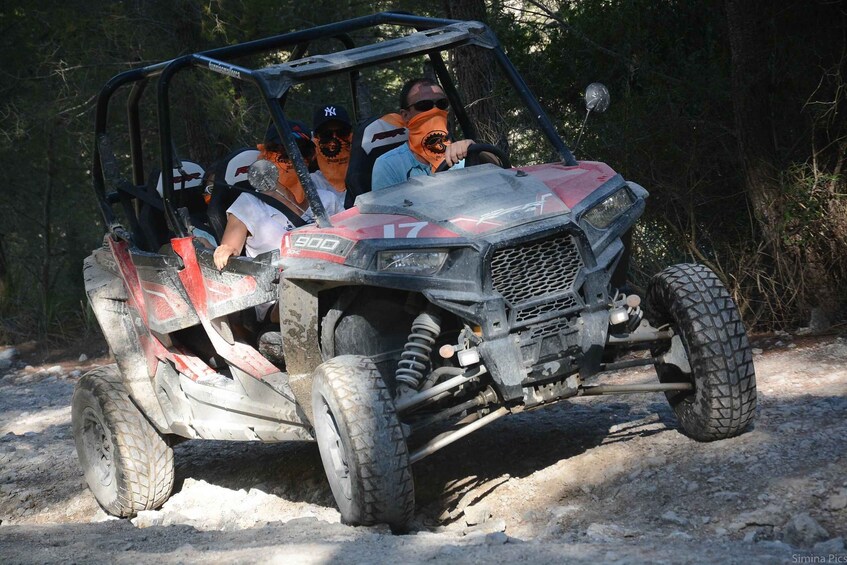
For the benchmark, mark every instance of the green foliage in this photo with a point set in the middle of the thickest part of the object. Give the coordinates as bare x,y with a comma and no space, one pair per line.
808,194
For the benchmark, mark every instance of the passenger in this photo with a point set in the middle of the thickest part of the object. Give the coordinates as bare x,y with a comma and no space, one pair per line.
257,225
332,133
423,106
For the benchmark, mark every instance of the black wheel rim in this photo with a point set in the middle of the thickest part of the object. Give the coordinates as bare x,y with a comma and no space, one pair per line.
327,427
98,447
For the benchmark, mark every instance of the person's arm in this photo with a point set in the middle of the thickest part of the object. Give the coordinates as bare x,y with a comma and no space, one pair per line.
232,242
457,151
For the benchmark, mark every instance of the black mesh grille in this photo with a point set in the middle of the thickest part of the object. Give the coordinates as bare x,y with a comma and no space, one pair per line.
548,330
558,305
535,269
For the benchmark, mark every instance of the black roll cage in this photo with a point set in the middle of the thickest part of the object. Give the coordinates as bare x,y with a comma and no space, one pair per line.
432,36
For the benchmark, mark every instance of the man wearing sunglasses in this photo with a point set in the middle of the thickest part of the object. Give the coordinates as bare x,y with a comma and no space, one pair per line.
332,134
423,106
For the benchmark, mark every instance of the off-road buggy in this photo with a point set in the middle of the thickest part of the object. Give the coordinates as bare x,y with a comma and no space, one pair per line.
442,303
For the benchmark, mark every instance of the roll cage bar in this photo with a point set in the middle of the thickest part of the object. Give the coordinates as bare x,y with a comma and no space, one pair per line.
433,35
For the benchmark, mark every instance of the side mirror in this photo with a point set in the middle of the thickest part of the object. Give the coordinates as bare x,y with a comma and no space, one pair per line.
596,97
596,100
263,175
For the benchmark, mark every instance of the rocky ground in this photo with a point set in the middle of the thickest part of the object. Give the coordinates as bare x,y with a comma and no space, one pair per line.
594,479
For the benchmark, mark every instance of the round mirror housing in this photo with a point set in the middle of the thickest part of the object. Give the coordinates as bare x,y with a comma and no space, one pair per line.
263,175
597,97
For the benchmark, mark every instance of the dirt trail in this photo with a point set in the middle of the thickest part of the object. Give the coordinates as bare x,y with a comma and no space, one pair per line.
594,479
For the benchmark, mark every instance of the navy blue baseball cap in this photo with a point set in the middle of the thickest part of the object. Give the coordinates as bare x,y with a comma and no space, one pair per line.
329,113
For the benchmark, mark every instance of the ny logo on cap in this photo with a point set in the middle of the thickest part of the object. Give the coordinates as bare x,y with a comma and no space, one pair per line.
329,111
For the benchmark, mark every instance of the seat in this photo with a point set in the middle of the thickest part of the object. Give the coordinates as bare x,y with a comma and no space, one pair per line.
374,138
231,171
188,193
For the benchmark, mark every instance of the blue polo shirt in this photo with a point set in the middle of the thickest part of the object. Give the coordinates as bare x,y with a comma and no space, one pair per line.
399,165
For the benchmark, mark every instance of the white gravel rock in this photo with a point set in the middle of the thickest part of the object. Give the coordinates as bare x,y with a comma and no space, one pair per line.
830,547
247,503
496,538
770,515
803,531
485,528
476,514
608,532
837,501
8,354
148,518
674,518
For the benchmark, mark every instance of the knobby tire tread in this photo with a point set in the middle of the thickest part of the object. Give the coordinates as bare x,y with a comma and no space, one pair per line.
143,460
693,299
379,445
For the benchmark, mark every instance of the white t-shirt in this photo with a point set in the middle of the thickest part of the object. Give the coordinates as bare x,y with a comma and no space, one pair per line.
265,223
333,200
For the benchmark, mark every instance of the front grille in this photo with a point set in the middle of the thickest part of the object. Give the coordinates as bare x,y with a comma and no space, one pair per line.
536,269
547,330
557,305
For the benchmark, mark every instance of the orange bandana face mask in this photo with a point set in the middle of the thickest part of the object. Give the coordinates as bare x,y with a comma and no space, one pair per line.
428,136
333,158
287,175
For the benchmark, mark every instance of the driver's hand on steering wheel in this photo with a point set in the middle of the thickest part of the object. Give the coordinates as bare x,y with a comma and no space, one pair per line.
457,151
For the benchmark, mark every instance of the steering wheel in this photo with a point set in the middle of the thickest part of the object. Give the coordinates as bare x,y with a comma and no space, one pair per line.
481,153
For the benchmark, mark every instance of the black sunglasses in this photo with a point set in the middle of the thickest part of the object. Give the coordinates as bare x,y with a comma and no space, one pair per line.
326,135
426,105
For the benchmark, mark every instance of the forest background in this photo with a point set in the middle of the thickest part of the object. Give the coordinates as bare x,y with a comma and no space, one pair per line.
733,114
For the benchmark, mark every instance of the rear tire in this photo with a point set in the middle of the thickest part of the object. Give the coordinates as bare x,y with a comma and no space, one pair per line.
128,465
362,445
695,303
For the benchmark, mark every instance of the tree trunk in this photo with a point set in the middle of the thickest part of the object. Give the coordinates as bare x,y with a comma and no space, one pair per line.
46,221
751,86
4,275
187,17
476,74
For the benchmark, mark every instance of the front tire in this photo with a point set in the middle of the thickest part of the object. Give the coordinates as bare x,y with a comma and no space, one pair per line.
128,465
362,445
694,302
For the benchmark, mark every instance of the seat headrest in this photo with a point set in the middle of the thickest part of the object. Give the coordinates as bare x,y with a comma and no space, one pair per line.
389,130
235,167
192,178
231,171
372,139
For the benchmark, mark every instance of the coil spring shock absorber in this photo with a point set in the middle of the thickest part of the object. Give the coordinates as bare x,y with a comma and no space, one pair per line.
415,357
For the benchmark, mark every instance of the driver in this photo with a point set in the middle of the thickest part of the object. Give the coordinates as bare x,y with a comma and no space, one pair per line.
423,106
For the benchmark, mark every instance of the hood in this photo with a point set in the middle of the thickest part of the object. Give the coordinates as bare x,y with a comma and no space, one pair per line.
487,198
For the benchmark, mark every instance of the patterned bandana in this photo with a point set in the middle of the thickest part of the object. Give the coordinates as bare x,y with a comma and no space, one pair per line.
428,136
333,159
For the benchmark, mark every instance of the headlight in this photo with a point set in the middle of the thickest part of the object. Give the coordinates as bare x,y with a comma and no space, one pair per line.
604,213
411,262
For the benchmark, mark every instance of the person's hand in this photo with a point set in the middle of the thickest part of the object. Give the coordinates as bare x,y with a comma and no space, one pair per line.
222,255
457,151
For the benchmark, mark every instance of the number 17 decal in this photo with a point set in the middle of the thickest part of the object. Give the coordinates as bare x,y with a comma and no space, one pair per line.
391,230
